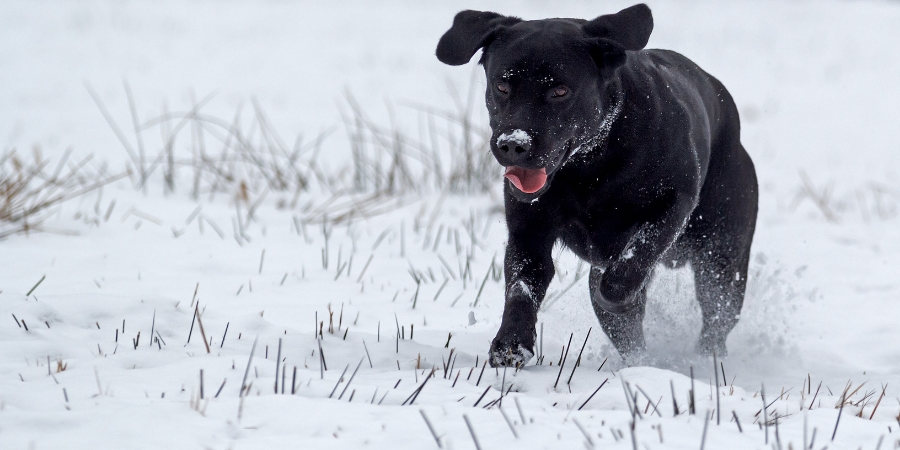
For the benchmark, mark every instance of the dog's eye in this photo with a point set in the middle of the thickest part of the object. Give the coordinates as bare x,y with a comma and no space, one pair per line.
559,91
503,87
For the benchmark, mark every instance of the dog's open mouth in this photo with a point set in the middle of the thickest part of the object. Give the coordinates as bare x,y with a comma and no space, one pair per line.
528,181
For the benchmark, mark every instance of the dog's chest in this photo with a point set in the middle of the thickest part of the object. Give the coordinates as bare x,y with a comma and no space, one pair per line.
595,231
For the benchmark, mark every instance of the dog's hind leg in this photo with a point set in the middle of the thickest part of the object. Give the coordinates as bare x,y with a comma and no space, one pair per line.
625,329
720,233
721,280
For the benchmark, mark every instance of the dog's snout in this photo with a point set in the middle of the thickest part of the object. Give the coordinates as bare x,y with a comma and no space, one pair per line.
515,145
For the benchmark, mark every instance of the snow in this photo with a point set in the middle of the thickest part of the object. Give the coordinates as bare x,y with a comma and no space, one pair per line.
819,111
517,136
522,288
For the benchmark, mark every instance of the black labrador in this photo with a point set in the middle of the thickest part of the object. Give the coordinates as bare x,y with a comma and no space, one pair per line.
631,157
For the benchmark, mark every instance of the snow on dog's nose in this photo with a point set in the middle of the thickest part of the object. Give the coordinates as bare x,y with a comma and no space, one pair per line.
518,141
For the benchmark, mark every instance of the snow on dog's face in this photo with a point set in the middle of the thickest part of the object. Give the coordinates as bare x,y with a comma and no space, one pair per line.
545,80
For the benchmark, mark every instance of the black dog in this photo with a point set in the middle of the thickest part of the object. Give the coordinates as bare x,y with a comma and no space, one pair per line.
631,157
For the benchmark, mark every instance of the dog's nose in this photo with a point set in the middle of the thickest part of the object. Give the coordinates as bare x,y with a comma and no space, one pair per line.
518,147
515,145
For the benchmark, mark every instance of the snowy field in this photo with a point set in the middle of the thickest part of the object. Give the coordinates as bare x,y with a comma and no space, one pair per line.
275,225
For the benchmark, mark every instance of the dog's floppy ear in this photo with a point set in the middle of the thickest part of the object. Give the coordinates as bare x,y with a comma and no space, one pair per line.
471,31
628,29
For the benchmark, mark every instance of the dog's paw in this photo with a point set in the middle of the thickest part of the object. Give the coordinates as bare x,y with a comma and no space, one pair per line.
617,305
616,289
509,353
709,345
636,358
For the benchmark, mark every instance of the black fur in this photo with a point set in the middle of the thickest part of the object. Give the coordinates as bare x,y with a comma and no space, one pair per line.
644,167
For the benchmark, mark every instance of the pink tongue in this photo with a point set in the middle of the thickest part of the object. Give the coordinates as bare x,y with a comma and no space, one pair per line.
528,181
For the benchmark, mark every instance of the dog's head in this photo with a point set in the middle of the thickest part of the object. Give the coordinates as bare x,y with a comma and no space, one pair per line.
544,83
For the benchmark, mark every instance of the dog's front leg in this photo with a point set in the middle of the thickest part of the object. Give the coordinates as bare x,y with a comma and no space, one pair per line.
618,294
621,283
528,269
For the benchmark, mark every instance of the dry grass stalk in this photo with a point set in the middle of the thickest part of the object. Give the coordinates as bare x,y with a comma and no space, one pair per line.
31,187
